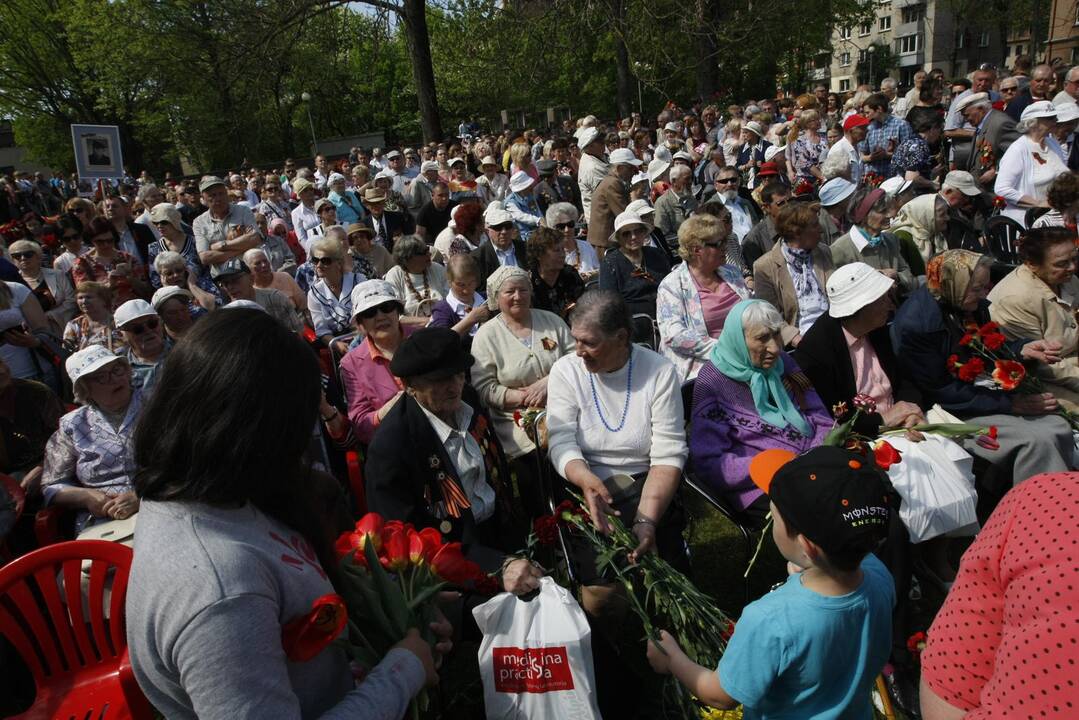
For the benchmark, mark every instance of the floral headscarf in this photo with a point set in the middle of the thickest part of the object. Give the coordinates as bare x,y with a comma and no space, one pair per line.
948,275
499,277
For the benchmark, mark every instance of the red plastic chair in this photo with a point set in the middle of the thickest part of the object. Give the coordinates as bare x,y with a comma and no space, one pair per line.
78,657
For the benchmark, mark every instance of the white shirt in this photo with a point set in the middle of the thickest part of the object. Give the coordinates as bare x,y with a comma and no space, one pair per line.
843,149
586,255
506,257
467,458
303,219
321,180
590,174
654,430
461,309
740,217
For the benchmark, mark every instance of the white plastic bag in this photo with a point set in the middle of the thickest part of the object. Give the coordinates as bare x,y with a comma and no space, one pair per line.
936,483
536,657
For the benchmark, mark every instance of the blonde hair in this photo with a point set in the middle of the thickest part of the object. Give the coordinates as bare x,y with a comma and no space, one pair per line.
696,231
102,290
806,117
521,152
328,246
77,202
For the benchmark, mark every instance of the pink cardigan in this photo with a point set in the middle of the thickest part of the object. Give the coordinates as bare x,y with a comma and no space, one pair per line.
368,384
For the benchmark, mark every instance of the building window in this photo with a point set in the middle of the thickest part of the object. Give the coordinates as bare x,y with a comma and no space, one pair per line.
960,39
844,33
1077,14
865,28
844,59
1075,59
863,55
908,44
844,85
913,13
983,39
885,23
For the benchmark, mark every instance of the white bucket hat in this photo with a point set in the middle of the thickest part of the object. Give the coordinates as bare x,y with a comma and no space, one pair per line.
372,293
520,181
625,219
853,286
640,208
623,156
657,167
89,359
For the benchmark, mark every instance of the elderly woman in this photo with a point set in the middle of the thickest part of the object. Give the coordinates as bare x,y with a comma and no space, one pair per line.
166,218
919,226
749,397
107,263
238,512
90,459
52,288
806,149
173,305
463,309
435,460
579,254
346,202
275,244
368,257
634,270
492,184
869,242
419,281
463,234
70,231
927,331
695,299
1063,198
514,354
1031,163
264,276
555,285
1039,299
792,275
175,272
95,325
330,298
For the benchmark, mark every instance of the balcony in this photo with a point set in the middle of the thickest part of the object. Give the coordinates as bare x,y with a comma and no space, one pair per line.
916,58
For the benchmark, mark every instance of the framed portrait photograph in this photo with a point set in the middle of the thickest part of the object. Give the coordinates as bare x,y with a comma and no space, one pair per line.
97,151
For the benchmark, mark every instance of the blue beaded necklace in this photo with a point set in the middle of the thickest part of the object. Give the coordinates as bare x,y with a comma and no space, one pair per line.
625,409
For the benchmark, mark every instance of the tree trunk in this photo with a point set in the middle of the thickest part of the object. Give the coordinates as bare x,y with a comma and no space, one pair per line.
414,20
623,80
707,49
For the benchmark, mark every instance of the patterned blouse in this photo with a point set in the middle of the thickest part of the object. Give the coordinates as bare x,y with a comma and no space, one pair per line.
804,154
83,332
89,267
914,154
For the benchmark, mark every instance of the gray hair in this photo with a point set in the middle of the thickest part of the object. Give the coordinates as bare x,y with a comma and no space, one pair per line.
337,232
678,172
761,314
145,191
408,247
166,259
561,212
329,247
605,310
888,83
250,254
1072,73
1025,125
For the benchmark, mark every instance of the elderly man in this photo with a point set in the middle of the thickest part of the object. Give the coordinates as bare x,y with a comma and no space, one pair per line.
226,229
675,205
144,336
994,132
896,104
592,167
911,98
502,246
235,280
304,217
395,165
387,226
743,214
884,134
135,238
843,159
762,237
1041,83
959,190
435,215
611,198
419,192
955,127
149,195
1070,93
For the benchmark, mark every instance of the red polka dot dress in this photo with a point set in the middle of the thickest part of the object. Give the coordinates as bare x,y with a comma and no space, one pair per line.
1006,642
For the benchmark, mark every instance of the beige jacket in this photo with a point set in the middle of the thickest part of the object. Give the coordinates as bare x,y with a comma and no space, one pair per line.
772,282
1025,307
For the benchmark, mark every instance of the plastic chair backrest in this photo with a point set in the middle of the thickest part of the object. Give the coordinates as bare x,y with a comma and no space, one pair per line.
1002,234
76,651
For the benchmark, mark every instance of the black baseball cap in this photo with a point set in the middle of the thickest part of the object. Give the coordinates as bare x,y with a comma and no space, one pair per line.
835,497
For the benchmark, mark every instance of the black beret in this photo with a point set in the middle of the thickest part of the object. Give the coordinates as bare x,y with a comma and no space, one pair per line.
433,351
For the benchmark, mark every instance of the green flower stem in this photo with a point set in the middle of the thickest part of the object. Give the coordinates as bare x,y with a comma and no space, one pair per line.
760,544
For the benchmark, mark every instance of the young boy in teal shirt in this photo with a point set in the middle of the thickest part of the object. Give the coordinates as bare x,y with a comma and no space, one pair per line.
813,648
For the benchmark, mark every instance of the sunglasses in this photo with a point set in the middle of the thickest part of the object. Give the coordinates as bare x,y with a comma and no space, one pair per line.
142,327
162,223
565,226
779,203
324,260
386,308
502,227
635,232
726,181
25,255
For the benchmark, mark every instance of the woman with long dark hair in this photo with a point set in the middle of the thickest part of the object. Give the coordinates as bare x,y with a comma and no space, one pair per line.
230,544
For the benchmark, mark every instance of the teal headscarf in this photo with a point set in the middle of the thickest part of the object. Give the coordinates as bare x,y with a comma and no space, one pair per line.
731,356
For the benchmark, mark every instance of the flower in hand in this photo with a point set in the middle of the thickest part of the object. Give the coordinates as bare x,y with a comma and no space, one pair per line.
1008,374
661,651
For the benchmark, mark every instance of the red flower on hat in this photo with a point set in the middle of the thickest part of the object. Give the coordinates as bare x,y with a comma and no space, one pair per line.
886,455
1008,374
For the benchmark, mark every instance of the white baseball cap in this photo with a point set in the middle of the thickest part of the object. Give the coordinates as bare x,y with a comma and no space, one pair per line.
623,156
641,177
88,360
683,155
372,293
132,310
895,186
1066,112
428,165
588,136
168,292
496,216
1040,109
853,286
520,180
672,127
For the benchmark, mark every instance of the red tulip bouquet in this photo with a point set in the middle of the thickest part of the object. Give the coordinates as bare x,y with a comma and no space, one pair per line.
391,575
986,354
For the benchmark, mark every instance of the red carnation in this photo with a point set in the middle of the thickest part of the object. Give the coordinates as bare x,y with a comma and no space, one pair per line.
994,340
966,339
971,369
953,364
546,529
886,455
1008,374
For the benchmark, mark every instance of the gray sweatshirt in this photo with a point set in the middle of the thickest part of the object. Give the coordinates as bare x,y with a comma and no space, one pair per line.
210,590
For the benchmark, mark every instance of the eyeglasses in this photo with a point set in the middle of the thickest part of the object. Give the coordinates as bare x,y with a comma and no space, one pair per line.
565,226
385,308
25,255
150,324
324,260
726,181
116,372
161,223
503,227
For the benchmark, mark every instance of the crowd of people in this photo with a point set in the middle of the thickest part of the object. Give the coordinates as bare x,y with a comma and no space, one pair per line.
683,296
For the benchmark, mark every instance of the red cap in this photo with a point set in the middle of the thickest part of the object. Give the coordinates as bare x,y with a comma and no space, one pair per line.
855,120
768,168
